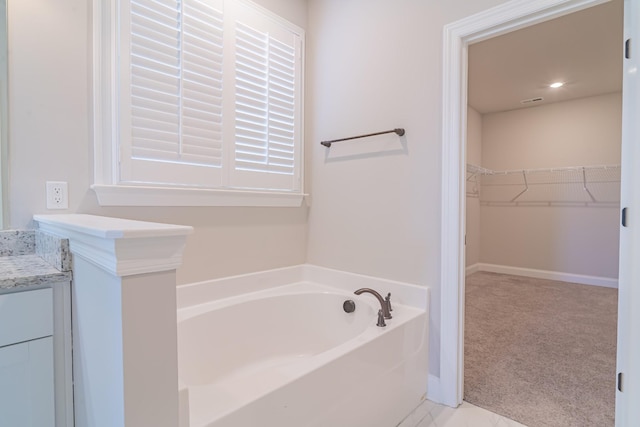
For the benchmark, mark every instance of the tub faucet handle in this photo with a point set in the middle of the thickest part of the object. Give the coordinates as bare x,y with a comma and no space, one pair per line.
387,300
381,322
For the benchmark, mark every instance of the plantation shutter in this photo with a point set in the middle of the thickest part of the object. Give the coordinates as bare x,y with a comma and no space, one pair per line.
267,109
171,92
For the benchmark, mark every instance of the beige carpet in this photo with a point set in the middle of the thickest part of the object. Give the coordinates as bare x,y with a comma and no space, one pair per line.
541,352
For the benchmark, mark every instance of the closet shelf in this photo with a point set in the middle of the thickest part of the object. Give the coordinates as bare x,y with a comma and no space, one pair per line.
584,185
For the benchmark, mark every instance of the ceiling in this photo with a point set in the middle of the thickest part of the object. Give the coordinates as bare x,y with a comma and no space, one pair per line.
583,50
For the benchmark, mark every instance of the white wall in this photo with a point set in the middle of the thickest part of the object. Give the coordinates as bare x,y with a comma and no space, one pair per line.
376,65
50,139
576,240
474,156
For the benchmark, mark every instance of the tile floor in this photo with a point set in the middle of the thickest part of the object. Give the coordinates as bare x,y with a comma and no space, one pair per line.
430,414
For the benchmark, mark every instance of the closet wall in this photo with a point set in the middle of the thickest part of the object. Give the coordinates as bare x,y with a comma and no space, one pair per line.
564,239
474,156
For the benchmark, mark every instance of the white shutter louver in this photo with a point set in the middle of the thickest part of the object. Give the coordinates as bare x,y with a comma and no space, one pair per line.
155,79
281,106
264,102
267,141
175,93
202,84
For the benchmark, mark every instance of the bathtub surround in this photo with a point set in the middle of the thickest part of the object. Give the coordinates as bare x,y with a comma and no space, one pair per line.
301,360
539,351
119,266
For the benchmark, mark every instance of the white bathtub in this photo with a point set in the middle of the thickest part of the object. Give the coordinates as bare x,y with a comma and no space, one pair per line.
290,356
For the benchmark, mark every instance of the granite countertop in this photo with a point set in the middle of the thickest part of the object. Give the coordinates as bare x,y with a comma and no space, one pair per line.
27,271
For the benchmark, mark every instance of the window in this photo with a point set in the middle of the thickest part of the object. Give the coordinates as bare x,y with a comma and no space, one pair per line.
198,102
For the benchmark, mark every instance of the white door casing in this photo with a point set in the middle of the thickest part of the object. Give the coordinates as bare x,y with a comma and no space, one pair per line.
628,393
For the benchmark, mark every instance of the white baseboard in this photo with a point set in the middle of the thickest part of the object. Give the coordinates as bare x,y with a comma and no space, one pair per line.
472,268
550,275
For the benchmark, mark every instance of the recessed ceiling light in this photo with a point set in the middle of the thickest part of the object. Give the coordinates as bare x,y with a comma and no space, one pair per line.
556,85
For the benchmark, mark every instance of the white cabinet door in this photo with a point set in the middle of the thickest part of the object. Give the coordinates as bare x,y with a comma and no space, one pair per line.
26,384
26,316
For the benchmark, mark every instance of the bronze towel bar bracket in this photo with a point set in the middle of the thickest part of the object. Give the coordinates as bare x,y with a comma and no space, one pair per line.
399,131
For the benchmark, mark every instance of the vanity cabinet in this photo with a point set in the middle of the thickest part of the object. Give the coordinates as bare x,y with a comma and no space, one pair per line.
27,359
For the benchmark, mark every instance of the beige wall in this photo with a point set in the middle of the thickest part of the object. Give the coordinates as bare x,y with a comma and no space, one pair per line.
559,239
585,131
50,139
474,156
371,65
576,240
376,65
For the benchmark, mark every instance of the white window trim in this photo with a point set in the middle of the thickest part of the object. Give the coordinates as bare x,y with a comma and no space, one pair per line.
133,195
108,191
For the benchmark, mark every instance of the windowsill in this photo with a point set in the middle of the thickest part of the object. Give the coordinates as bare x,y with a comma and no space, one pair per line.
121,195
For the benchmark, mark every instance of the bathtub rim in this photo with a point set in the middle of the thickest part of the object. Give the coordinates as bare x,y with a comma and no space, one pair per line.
298,288
196,293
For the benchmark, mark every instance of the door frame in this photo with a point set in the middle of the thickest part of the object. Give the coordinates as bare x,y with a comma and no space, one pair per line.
457,36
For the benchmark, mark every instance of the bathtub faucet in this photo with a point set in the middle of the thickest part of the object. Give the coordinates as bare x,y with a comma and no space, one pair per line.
384,305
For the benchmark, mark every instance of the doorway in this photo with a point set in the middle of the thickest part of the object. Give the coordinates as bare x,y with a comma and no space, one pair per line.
457,37
543,173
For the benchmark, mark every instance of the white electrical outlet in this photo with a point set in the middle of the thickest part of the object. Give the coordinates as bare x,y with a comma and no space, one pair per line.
57,195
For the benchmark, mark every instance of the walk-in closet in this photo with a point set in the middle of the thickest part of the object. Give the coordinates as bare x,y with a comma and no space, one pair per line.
543,220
